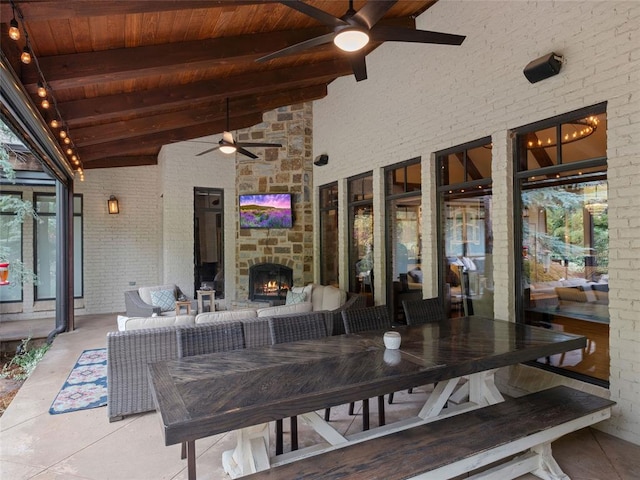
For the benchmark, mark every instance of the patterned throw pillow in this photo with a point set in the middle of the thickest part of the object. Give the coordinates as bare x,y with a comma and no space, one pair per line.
165,299
293,298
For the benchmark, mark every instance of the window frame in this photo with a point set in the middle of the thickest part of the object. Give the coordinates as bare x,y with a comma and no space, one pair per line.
390,198
324,209
519,179
351,205
467,188
36,221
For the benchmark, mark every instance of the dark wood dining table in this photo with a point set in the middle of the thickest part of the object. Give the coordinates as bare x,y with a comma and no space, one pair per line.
243,390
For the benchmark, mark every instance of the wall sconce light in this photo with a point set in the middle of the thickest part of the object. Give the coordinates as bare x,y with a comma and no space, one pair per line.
112,205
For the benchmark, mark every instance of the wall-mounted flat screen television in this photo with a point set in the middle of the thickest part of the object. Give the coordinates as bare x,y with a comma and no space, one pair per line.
266,210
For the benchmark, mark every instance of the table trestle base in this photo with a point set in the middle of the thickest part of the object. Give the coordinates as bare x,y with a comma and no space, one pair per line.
479,391
251,453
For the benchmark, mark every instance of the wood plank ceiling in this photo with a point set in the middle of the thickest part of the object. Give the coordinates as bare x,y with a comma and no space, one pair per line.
129,76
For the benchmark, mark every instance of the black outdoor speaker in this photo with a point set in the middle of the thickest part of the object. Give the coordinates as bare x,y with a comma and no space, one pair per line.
543,67
321,160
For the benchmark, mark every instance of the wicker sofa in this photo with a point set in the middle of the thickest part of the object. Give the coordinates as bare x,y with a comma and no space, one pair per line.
129,352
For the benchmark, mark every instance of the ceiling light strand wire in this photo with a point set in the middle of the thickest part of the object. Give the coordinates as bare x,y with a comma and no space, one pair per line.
74,160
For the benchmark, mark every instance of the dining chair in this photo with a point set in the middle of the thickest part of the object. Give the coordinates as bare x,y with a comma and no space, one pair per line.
359,320
419,312
294,328
208,338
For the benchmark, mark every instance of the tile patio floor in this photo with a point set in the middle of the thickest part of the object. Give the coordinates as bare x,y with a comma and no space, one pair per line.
84,445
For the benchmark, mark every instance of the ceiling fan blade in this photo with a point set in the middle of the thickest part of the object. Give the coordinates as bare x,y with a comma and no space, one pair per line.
244,144
227,137
359,66
299,47
383,33
246,152
315,13
208,151
372,12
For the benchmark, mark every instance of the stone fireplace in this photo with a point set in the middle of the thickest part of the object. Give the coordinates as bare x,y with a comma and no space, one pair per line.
288,169
269,282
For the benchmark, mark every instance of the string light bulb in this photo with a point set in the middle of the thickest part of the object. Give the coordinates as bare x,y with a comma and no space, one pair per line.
14,31
26,56
17,30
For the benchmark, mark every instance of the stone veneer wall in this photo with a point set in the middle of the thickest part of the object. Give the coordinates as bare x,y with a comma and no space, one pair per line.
278,170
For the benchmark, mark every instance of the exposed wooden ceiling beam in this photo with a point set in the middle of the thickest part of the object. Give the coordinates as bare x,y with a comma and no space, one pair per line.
112,107
208,113
133,144
37,10
472,170
81,69
123,147
540,154
124,161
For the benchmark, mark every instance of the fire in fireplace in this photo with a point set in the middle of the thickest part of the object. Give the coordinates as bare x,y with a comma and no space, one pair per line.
269,281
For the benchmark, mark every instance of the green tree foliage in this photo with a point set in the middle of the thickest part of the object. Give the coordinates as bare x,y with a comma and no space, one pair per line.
20,210
562,237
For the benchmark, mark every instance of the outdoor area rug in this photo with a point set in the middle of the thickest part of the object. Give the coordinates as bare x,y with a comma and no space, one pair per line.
86,386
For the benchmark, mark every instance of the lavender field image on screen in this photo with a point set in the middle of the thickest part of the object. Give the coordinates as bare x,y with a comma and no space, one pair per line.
266,211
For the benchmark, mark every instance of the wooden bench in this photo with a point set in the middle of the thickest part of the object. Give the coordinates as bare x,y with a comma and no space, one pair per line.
523,426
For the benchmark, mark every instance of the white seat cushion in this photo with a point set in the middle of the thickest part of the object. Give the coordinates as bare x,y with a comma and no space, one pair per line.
209,317
137,323
285,309
327,297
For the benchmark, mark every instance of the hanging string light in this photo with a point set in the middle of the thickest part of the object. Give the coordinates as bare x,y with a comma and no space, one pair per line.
26,56
14,31
43,89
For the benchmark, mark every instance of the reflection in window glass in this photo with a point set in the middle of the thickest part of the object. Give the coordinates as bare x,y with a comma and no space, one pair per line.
45,254
329,235
11,248
565,258
360,191
467,238
404,233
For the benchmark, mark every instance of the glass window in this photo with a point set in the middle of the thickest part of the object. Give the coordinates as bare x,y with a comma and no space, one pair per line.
465,239
565,240
329,235
45,244
10,245
404,240
360,193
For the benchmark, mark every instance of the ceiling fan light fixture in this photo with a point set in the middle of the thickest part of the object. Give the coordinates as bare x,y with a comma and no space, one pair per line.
351,40
228,149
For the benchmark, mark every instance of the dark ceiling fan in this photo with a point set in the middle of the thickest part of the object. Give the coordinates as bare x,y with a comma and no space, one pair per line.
354,29
228,145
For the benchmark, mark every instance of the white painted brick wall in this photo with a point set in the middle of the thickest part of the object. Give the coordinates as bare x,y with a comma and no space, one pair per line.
180,171
122,248
420,99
